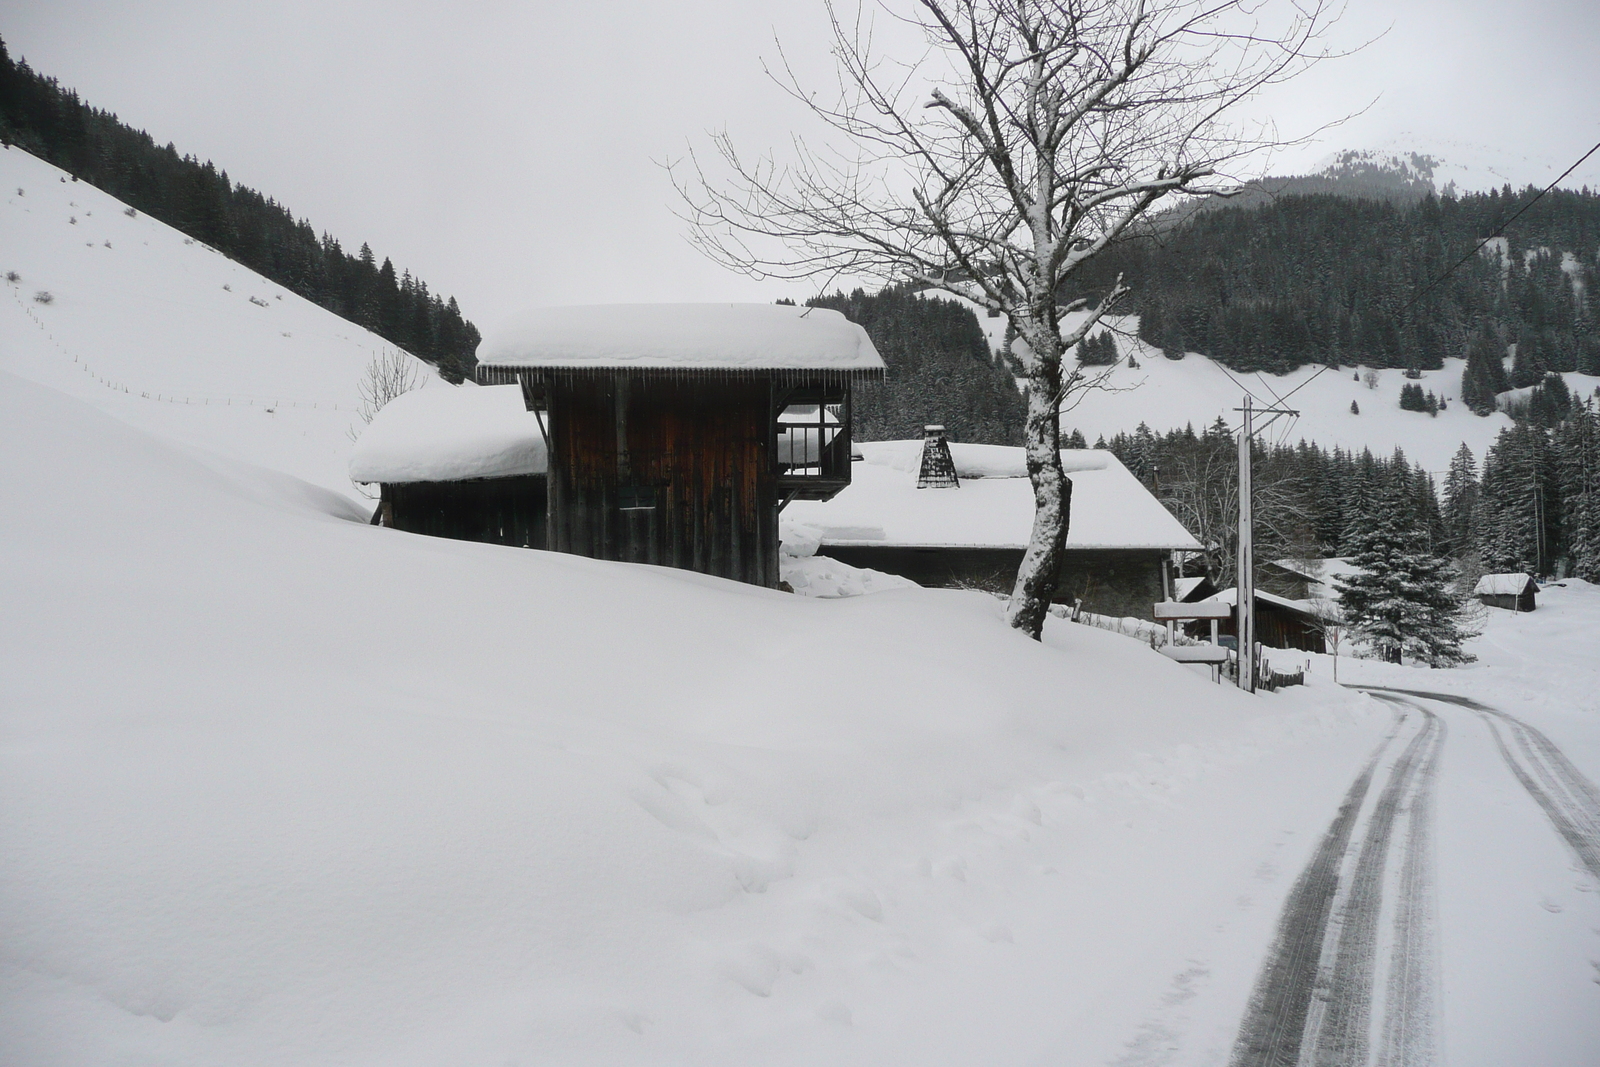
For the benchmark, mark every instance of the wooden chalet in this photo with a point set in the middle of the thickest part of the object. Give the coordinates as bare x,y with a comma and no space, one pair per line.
1280,622
465,462
1514,592
968,526
676,432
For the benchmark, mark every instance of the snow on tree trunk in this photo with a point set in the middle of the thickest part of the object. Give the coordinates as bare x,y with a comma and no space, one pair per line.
1052,496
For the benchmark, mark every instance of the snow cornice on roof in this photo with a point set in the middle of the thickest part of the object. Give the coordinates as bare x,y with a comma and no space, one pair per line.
442,434
681,340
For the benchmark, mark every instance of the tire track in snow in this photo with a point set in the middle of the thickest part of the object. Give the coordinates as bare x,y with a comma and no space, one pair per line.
1348,989
1568,798
1407,1038
1313,999
1275,1022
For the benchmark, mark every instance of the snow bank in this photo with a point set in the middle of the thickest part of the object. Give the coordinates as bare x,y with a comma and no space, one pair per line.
265,805
440,434
994,508
683,336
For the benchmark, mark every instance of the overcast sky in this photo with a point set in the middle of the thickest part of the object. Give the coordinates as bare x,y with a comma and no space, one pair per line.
507,153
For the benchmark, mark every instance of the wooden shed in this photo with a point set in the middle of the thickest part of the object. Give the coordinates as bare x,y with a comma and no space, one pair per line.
676,432
1514,592
462,462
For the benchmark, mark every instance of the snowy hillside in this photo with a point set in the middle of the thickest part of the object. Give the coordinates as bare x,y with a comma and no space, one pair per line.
133,317
1168,394
1461,165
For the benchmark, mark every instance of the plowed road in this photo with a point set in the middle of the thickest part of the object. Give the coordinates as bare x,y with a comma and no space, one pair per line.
1411,936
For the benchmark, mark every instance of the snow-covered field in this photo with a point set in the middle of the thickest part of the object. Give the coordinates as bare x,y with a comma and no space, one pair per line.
279,787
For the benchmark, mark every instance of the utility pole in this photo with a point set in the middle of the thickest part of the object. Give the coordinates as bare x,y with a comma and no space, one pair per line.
1245,585
1245,582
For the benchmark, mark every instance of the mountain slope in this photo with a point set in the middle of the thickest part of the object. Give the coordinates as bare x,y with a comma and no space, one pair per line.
170,336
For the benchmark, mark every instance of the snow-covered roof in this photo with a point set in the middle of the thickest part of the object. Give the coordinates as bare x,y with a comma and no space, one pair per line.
1501,584
443,433
739,337
1321,574
994,506
1230,596
1182,587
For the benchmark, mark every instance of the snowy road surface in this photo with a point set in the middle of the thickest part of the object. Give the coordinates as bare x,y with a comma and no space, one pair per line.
1375,959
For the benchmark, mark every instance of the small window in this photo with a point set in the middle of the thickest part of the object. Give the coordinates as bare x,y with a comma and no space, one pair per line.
636,497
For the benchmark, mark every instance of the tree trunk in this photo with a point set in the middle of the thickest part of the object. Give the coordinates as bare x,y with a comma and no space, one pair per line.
1052,492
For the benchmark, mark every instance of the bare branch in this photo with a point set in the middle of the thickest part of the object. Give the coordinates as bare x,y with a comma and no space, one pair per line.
1029,137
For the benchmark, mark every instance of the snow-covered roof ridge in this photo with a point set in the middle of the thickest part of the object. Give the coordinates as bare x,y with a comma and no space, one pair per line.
1501,584
443,433
1111,509
683,337
1230,595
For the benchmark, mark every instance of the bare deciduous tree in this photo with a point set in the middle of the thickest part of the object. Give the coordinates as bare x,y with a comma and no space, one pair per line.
389,374
1201,487
1029,137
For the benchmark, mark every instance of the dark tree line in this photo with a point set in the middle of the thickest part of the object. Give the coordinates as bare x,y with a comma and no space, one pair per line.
37,114
1310,502
941,370
1536,506
1381,514
1325,279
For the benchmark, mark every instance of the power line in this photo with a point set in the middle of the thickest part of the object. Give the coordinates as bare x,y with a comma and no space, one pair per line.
1240,384
1499,232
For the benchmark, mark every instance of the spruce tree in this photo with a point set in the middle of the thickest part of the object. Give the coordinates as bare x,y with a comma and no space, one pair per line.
1400,601
1518,519
1578,462
1484,375
1460,511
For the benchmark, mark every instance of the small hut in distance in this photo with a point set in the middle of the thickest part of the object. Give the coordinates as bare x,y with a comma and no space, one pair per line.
1514,592
676,432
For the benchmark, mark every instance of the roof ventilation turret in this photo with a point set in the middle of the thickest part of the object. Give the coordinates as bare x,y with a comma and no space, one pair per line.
938,469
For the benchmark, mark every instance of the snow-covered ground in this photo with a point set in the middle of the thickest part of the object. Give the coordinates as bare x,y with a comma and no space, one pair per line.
280,787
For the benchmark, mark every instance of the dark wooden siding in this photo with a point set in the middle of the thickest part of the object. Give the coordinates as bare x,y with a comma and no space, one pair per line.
1522,601
1110,582
500,511
697,451
1276,627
